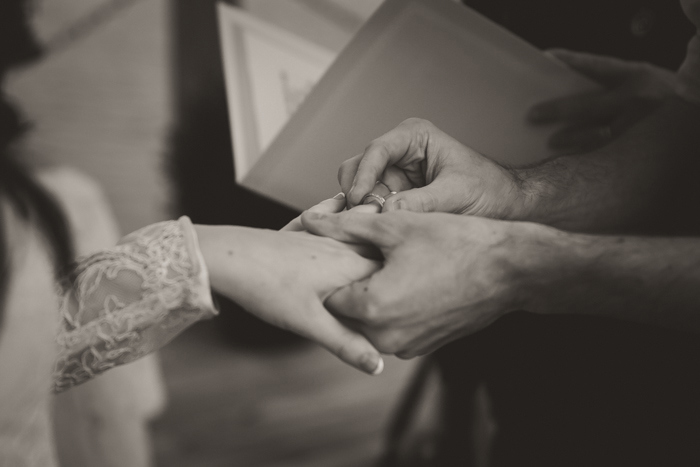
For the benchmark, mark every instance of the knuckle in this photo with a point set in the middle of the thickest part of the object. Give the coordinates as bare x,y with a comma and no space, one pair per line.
421,129
372,310
417,122
375,307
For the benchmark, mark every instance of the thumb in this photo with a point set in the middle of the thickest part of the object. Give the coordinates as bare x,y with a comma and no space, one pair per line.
439,196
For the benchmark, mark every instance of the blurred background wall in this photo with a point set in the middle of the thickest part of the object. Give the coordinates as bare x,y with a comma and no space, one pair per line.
101,99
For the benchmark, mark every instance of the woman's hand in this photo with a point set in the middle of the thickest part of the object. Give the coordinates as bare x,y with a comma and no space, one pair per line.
284,277
592,119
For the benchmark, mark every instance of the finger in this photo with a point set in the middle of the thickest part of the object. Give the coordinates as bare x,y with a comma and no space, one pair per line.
347,171
332,205
363,249
377,194
370,168
374,201
393,178
595,106
367,250
351,301
353,227
605,70
406,139
368,208
439,196
396,179
350,346
293,226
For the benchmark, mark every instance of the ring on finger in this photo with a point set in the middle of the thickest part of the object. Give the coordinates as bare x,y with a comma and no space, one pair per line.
373,197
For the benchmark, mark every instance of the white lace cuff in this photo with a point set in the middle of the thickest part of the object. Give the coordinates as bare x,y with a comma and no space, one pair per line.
131,300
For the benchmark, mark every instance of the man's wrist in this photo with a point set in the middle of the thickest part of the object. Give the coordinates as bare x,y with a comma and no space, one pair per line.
525,194
548,265
552,193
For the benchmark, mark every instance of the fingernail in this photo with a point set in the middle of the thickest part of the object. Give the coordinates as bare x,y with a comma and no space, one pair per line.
340,195
380,367
372,364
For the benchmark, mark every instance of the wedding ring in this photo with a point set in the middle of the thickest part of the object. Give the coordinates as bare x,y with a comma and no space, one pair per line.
371,197
388,195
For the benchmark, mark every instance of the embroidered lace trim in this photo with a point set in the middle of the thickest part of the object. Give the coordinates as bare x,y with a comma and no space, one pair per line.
130,300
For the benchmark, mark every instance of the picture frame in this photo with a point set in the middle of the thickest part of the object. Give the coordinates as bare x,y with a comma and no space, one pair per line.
268,73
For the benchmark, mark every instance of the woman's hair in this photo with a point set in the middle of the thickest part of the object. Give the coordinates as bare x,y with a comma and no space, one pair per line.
25,195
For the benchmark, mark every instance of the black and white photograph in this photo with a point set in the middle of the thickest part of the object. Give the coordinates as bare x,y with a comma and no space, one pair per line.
349,233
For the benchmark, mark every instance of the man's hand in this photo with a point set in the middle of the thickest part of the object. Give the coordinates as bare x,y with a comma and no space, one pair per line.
431,171
592,119
284,277
444,276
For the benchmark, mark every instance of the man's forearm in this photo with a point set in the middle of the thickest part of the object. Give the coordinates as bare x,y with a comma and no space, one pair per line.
643,279
629,185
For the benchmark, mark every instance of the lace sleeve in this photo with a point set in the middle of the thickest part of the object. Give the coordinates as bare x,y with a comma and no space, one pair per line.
131,300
